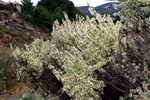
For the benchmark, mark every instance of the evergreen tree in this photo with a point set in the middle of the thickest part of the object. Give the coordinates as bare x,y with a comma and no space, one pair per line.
27,8
48,11
65,5
42,16
58,9
57,16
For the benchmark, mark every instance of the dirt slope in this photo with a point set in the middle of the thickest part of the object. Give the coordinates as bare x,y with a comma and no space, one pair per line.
14,29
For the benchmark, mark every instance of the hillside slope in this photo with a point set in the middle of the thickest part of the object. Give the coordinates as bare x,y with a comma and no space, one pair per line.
84,10
107,7
14,29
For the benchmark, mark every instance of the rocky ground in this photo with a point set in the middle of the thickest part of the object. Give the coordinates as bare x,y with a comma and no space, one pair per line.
16,30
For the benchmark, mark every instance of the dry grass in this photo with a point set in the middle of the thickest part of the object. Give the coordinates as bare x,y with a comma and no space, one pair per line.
5,51
16,90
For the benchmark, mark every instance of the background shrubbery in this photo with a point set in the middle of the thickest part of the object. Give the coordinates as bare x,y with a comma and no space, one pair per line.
6,73
8,7
47,11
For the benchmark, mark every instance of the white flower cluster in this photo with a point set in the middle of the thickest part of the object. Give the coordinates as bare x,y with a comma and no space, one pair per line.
133,13
79,47
96,41
78,79
85,46
33,57
142,93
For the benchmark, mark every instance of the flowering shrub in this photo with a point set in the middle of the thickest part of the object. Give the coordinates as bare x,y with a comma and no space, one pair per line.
78,49
87,55
142,93
135,18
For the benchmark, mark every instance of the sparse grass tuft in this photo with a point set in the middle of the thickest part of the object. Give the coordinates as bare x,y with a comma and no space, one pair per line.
1,34
17,34
5,41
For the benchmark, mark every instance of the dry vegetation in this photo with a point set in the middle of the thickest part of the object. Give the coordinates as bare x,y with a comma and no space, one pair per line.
9,85
87,59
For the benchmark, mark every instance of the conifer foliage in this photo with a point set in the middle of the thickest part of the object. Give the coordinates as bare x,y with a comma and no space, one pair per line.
27,8
47,11
42,16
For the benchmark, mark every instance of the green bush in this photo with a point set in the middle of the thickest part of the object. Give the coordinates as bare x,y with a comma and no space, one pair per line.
46,30
1,28
25,38
16,34
5,40
21,23
57,16
6,31
10,7
26,8
42,16
17,38
1,34
7,74
21,46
